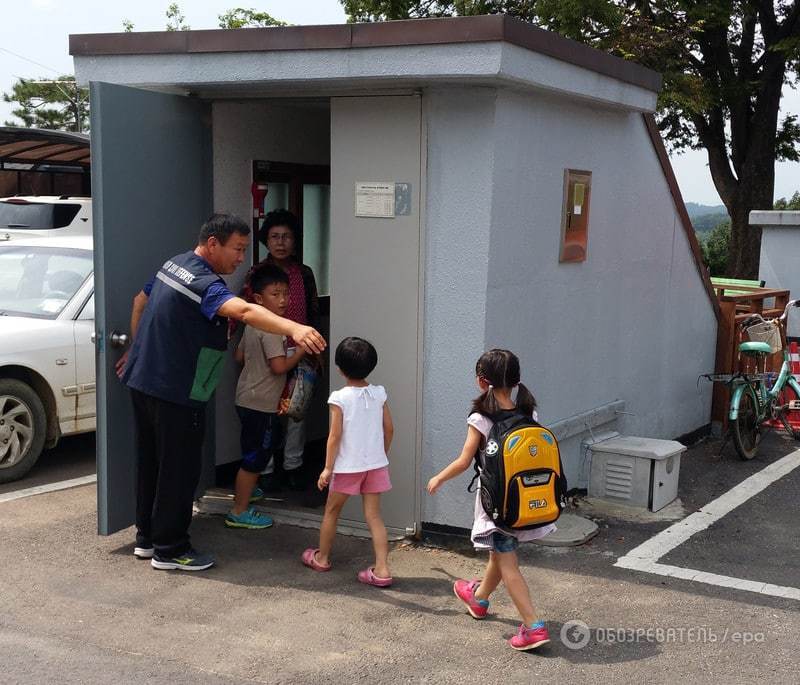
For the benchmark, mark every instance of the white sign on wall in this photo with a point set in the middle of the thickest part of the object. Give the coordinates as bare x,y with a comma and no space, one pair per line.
375,199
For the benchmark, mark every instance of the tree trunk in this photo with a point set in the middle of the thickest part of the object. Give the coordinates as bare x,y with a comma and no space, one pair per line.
754,191
744,249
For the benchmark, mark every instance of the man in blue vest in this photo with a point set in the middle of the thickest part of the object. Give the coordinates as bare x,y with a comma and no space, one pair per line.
180,335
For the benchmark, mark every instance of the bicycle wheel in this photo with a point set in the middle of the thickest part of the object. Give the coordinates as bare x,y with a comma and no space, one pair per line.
746,433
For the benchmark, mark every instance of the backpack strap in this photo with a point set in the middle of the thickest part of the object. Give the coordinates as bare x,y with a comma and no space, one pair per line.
502,415
471,487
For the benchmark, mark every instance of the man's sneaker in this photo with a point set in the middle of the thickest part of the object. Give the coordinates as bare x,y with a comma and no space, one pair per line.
190,560
530,638
143,551
465,591
249,518
256,495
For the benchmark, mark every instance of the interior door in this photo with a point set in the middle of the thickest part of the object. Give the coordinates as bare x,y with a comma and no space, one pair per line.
375,273
151,181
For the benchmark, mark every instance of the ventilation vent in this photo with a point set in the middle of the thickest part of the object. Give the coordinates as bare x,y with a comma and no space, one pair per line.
619,479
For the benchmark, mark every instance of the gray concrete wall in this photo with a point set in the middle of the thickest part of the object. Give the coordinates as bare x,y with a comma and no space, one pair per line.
633,322
243,132
780,257
456,231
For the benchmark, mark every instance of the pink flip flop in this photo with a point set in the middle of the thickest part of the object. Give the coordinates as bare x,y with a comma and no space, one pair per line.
309,559
368,577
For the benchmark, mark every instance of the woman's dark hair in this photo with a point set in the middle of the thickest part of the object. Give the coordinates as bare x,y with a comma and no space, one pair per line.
279,217
222,227
267,274
500,369
356,358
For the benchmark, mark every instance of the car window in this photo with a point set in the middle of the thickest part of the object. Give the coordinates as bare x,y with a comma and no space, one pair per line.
21,214
40,281
87,313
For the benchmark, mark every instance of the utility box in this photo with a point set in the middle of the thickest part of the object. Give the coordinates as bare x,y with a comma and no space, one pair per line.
637,472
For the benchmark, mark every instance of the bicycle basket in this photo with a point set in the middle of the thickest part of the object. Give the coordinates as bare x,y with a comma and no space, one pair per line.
766,332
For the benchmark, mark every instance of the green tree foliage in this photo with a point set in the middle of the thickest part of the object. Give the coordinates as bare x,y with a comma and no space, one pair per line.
235,18
792,204
241,18
715,248
385,10
176,21
53,104
705,223
724,62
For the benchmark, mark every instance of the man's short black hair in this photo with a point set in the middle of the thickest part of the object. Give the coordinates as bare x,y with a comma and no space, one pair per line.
222,227
267,274
356,358
279,217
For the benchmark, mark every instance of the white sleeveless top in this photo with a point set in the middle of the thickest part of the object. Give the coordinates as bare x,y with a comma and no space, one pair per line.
361,448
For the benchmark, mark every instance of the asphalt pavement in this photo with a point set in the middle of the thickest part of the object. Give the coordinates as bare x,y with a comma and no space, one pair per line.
78,608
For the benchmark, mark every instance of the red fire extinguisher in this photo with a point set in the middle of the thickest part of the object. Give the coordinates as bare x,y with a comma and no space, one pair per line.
259,192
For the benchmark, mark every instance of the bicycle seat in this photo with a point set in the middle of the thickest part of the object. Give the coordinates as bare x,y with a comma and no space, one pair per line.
755,348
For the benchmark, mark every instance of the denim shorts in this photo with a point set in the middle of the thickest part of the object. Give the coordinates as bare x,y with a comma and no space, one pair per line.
503,542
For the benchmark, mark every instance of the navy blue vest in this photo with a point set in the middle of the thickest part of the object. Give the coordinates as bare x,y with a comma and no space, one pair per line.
177,354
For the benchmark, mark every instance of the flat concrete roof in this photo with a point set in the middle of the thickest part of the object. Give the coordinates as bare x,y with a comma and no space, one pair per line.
451,30
775,219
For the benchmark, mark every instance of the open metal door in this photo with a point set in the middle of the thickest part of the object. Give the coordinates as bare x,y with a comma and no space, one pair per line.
151,181
376,280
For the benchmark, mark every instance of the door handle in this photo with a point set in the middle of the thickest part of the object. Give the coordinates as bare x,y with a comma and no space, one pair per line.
118,339
93,338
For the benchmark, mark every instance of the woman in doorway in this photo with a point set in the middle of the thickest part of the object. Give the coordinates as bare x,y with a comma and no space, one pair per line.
279,234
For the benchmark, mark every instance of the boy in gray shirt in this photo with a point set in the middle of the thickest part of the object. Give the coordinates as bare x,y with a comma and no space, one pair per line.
258,394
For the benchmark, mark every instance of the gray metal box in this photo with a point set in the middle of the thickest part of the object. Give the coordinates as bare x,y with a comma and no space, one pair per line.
637,472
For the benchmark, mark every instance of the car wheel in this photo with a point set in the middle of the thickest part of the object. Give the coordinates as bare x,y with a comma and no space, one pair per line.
23,428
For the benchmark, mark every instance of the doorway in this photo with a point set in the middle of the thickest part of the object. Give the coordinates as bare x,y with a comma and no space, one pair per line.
304,190
194,155
323,160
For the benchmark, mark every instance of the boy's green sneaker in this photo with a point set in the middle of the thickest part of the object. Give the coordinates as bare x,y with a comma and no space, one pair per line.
249,518
256,495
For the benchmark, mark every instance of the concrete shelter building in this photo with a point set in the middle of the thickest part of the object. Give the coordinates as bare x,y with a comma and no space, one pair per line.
464,184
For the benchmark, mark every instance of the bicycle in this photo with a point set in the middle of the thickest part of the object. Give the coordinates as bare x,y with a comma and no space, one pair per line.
754,402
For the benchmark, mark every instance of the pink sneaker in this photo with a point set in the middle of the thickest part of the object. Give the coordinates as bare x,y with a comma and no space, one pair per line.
465,591
529,638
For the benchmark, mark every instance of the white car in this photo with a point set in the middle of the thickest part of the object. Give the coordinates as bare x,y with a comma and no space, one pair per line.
46,215
47,357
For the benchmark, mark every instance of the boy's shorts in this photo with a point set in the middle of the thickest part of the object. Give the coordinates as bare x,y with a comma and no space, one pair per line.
503,542
362,482
259,437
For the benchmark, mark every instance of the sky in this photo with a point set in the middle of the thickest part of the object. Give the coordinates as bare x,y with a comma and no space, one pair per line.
36,31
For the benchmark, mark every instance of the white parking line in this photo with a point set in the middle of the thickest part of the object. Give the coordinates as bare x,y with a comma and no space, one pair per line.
645,557
50,487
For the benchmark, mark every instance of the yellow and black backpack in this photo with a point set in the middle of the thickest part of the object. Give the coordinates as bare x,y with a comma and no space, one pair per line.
521,478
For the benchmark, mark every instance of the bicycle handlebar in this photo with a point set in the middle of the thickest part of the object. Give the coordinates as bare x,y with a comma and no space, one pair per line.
789,305
756,318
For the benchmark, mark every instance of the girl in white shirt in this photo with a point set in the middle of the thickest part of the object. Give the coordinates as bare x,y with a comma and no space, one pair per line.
358,440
